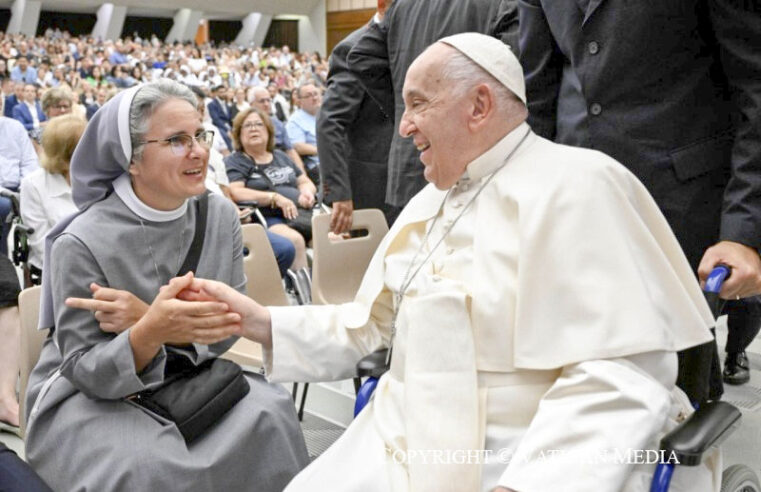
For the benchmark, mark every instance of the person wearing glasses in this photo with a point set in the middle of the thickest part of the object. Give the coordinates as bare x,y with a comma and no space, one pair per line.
263,101
257,171
136,176
57,101
302,128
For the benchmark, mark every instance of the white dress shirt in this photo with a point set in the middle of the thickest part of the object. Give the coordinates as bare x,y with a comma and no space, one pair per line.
45,199
17,155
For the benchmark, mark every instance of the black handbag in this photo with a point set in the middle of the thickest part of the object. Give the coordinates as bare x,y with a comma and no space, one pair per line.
302,223
195,397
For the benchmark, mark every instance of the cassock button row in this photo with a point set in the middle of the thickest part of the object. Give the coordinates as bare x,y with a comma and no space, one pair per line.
595,109
594,47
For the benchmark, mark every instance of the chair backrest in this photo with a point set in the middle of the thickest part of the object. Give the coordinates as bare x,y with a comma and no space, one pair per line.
339,265
263,284
31,340
263,276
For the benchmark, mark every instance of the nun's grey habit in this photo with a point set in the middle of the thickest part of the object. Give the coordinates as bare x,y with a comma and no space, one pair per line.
82,434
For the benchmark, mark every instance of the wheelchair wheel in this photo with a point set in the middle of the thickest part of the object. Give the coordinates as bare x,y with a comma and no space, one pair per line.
739,478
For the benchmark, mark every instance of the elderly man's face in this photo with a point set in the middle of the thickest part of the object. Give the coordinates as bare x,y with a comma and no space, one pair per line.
310,99
435,119
262,100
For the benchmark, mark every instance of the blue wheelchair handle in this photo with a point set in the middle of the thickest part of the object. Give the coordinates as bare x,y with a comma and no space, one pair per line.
716,278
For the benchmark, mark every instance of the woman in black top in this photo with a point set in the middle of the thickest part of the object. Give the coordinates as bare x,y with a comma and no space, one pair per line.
259,172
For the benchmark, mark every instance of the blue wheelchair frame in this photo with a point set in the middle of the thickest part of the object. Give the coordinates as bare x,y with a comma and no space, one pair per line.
707,427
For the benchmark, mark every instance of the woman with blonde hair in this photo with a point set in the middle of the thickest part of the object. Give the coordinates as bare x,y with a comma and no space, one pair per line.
46,193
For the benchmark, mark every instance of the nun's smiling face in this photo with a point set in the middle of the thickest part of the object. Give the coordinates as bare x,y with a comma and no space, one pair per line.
167,175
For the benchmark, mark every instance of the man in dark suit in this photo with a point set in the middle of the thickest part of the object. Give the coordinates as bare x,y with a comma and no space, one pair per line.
12,100
29,111
671,90
219,112
100,99
353,138
381,57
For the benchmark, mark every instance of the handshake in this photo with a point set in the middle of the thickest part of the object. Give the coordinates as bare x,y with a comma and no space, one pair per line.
186,310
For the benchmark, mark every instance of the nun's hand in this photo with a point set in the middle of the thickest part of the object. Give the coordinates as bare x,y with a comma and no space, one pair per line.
116,310
174,321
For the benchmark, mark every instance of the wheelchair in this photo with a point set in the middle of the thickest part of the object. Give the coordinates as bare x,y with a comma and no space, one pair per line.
710,424
18,238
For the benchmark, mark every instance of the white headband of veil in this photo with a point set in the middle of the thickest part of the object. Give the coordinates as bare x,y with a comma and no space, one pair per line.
102,155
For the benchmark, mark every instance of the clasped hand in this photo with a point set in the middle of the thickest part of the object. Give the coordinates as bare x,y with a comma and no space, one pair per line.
168,320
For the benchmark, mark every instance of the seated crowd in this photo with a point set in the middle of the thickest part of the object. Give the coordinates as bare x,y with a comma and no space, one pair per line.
58,74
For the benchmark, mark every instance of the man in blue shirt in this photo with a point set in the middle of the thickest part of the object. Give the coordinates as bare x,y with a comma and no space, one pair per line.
301,128
22,72
17,159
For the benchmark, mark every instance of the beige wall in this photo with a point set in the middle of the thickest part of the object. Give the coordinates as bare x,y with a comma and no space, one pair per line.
343,5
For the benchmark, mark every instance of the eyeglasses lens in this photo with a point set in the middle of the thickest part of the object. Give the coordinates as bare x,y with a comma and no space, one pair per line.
182,144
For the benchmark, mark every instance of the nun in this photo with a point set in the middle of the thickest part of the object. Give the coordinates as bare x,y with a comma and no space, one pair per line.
136,177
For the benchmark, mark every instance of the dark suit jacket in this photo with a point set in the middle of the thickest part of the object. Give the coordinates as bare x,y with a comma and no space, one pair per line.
91,110
381,58
221,119
10,103
669,88
353,135
22,114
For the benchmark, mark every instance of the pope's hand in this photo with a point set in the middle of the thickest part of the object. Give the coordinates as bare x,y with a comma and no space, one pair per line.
745,262
255,320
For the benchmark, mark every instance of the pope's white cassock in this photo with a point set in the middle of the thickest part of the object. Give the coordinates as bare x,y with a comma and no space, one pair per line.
543,329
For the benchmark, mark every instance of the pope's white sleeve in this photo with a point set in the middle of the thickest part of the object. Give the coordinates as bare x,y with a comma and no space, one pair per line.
595,415
313,343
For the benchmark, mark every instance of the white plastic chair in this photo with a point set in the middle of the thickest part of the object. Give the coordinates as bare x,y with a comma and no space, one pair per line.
31,342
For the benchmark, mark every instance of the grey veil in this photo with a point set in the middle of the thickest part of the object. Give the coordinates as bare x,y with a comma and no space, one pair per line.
102,155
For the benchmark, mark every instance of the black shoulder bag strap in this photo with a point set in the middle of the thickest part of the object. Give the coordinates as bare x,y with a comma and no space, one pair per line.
194,254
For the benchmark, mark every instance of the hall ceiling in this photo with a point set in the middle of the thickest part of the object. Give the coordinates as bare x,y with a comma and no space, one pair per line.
213,9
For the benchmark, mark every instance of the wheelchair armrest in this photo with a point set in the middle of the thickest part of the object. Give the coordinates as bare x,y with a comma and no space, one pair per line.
708,426
373,365
24,229
248,203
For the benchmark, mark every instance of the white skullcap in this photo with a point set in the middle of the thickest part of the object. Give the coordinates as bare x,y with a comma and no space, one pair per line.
492,55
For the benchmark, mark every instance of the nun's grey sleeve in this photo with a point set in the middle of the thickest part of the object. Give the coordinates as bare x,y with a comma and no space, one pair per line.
99,364
237,278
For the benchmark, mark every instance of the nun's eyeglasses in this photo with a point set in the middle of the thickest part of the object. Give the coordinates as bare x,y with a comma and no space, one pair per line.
182,144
